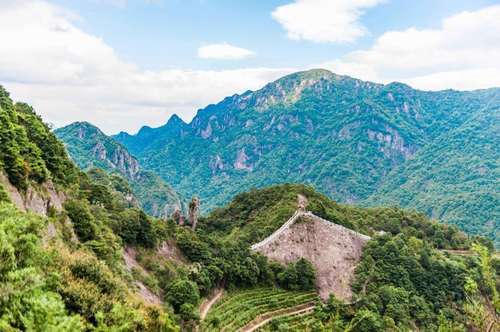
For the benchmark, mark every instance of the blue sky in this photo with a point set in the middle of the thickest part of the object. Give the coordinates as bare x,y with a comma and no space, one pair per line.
167,33
121,64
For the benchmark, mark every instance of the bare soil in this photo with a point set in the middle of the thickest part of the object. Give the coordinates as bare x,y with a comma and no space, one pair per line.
333,250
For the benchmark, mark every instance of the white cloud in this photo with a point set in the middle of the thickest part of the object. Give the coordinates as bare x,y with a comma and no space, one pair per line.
462,54
70,75
223,51
323,20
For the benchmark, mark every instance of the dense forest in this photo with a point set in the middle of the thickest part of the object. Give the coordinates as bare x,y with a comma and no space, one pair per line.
355,141
72,268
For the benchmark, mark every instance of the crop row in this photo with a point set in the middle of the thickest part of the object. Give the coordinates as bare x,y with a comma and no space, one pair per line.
239,308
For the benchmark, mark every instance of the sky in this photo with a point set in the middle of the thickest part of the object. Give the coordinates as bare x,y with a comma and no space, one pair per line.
122,64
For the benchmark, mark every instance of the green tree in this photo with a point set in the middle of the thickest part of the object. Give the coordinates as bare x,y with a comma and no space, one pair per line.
182,291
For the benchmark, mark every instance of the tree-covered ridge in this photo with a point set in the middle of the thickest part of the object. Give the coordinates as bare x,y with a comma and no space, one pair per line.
29,151
342,135
65,272
254,215
90,148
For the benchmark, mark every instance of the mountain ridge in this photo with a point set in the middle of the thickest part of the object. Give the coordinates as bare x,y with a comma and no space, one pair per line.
341,134
89,147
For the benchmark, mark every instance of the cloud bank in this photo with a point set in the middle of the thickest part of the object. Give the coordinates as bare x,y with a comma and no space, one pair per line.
462,54
69,75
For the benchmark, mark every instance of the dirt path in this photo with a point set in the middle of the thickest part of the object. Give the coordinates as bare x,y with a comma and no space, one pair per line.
265,318
209,302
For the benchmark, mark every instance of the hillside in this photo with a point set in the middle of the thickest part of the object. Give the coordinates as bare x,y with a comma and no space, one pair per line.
399,281
455,178
254,215
61,269
342,135
89,147
334,252
90,260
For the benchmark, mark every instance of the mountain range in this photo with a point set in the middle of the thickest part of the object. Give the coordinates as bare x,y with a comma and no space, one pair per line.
90,148
77,253
355,141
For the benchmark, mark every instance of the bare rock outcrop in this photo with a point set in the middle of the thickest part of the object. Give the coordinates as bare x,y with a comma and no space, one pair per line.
333,250
38,200
194,211
178,217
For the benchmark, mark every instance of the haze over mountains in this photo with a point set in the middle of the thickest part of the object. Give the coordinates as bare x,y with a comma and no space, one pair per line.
356,141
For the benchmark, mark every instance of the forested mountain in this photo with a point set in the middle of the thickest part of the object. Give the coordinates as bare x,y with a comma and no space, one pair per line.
90,148
350,139
455,178
88,260
401,283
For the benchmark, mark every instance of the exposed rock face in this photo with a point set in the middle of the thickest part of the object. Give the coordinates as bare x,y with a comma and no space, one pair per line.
129,257
178,217
38,200
241,161
333,250
301,202
89,147
194,210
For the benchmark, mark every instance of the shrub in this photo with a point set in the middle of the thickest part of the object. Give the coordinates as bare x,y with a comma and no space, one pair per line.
182,291
83,220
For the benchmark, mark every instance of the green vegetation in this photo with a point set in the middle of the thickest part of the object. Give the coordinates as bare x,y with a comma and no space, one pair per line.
252,216
403,280
454,179
55,288
29,152
66,271
91,149
240,307
352,140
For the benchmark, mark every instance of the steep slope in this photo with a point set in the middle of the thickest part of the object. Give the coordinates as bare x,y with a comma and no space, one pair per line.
340,134
455,178
398,279
89,147
60,263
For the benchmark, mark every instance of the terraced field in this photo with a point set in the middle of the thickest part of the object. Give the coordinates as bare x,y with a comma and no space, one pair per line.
237,309
294,323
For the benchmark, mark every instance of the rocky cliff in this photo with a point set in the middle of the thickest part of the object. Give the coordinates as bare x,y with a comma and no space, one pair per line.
90,148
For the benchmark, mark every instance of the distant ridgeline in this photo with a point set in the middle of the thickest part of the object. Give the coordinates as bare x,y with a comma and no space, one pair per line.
356,141
90,148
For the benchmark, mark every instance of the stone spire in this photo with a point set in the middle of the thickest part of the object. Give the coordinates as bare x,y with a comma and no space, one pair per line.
178,217
194,209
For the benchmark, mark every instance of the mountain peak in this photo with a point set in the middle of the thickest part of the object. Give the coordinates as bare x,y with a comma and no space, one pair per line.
311,74
81,129
175,120
289,88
